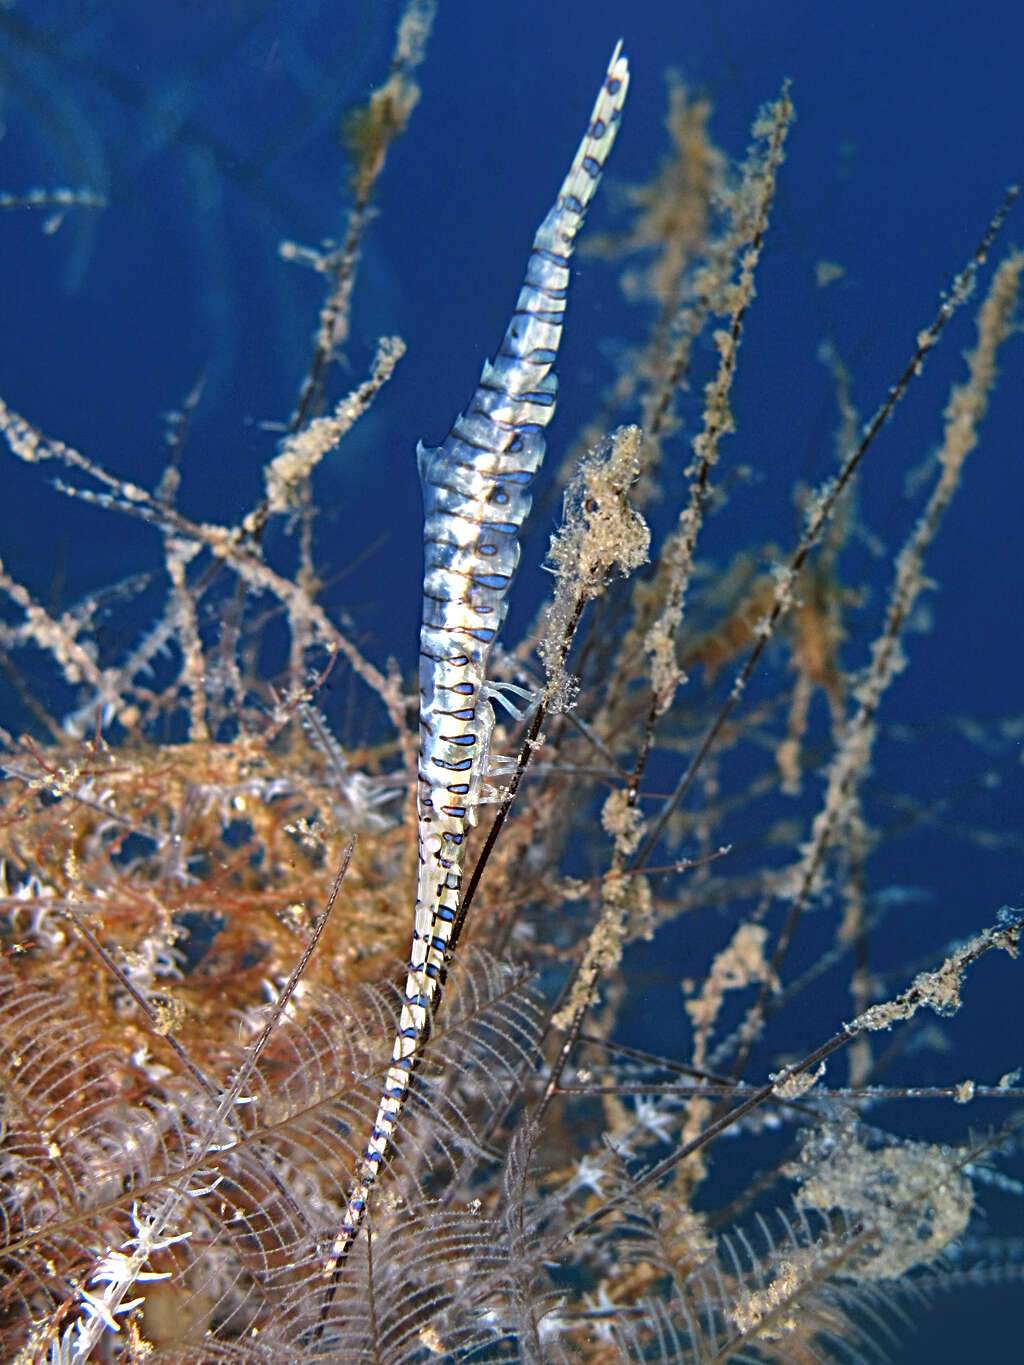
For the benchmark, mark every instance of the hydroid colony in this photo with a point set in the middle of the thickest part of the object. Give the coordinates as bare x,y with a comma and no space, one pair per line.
208,897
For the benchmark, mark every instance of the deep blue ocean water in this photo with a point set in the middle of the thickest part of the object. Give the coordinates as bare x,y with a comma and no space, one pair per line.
211,129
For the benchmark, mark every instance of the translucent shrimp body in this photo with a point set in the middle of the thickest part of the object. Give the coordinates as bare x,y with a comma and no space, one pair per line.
476,491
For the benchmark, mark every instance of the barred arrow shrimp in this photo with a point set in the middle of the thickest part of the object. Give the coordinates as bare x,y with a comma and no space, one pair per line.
476,497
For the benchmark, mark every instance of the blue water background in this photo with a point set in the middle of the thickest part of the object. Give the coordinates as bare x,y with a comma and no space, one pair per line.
212,131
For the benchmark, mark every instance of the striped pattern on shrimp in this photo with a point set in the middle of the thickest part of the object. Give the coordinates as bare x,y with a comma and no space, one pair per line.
476,496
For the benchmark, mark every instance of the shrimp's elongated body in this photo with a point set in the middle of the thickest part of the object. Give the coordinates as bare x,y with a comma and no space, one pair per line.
476,497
